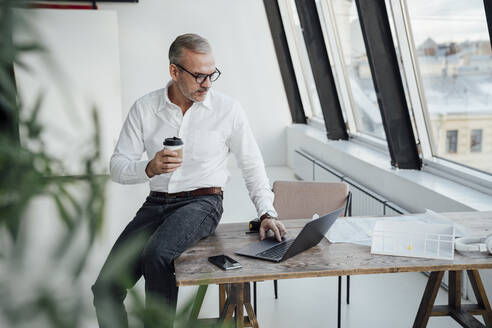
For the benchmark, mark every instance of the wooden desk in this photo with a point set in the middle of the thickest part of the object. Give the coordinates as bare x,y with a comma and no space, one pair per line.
326,259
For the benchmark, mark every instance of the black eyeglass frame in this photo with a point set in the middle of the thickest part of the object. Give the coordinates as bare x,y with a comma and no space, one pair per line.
200,75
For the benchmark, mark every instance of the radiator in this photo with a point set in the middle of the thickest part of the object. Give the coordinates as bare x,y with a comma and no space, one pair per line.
365,202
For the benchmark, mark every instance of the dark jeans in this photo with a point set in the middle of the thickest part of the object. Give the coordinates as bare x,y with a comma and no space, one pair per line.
161,230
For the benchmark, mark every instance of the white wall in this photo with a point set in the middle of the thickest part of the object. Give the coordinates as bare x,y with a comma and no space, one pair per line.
244,52
79,71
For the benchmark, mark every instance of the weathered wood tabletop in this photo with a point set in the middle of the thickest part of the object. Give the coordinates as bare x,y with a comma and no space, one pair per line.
325,259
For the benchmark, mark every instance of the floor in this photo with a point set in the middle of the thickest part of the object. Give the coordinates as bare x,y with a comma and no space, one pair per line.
385,300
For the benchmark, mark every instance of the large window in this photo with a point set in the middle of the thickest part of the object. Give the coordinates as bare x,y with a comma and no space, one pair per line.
364,101
452,49
445,60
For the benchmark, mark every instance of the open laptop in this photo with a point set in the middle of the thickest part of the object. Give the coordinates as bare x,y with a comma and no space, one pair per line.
272,250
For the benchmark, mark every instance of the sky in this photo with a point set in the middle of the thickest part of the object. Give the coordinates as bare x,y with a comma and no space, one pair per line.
442,20
447,20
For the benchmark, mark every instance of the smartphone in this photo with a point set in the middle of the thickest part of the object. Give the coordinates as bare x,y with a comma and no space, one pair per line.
224,262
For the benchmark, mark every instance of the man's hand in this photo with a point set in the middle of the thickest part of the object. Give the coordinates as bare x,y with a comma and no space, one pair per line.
164,161
276,226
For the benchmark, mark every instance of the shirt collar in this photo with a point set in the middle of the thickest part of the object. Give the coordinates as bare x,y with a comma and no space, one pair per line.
207,103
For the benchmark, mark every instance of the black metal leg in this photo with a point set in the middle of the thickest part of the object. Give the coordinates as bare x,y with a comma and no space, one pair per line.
275,287
348,289
254,298
339,319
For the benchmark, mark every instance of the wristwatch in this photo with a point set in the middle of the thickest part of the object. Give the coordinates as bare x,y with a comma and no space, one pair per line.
267,216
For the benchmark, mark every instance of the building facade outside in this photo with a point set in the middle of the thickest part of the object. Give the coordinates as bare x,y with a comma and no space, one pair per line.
464,138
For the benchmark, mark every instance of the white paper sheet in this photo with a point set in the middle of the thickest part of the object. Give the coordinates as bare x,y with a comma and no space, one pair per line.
359,230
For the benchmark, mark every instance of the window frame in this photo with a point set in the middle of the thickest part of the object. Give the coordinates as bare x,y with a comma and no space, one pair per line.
332,39
322,69
432,163
349,103
459,173
295,47
285,60
416,95
334,52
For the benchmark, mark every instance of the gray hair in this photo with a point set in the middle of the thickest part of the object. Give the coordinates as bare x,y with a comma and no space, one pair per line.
189,41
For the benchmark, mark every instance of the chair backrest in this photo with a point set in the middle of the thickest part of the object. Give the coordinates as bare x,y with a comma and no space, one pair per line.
301,199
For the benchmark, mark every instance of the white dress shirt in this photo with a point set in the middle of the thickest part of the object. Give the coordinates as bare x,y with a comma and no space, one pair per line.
209,130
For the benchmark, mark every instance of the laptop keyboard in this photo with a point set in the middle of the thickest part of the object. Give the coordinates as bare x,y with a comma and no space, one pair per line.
276,251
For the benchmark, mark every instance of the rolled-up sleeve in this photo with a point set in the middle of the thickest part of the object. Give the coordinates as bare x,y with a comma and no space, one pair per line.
126,164
250,161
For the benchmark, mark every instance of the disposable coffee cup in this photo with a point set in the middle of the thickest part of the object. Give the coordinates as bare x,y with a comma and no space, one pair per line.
174,144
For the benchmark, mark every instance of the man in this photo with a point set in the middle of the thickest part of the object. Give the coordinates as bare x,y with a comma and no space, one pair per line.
185,202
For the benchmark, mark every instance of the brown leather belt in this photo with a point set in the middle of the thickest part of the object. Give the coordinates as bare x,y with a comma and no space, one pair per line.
196,192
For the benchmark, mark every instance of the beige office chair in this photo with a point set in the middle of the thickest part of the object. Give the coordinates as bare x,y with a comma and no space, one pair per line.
301,199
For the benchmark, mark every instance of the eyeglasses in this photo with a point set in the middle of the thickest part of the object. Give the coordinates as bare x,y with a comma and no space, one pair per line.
200,78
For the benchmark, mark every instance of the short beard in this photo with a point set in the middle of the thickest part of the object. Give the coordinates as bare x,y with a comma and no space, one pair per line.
184,93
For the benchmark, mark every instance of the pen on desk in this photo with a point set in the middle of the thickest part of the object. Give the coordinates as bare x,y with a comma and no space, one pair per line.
248,232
